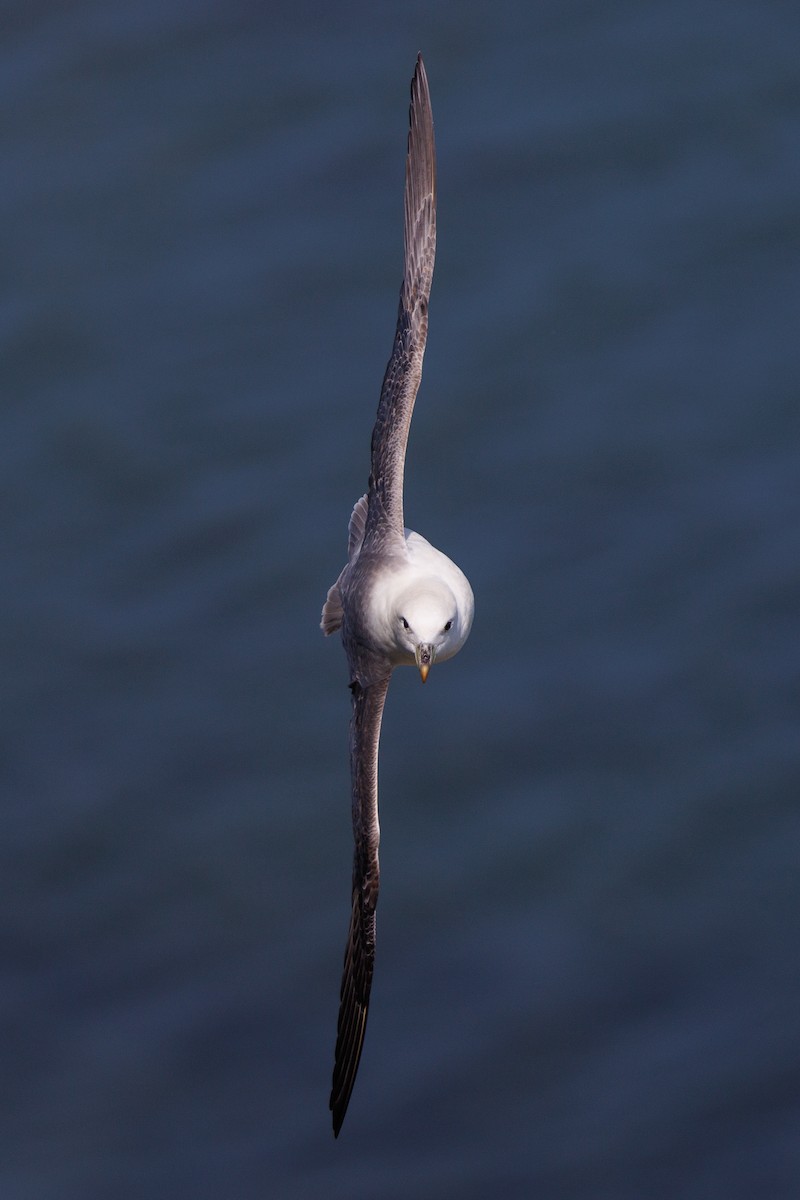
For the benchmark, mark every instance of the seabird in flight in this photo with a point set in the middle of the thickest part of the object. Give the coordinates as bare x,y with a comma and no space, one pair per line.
398,601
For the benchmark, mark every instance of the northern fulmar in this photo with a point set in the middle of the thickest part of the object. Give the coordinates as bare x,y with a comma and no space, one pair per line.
398,601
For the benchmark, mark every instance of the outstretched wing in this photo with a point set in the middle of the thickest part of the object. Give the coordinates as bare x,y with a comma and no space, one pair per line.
404,370
359,955
382,517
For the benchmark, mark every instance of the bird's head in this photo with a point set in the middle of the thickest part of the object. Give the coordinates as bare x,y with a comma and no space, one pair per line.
427,625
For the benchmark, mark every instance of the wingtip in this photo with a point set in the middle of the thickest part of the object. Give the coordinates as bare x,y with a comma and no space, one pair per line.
420,74
420,120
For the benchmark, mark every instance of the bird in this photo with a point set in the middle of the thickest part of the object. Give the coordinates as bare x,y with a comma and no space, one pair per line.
398,601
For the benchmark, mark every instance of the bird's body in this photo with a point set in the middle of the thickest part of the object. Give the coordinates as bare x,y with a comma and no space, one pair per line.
414,582
398,600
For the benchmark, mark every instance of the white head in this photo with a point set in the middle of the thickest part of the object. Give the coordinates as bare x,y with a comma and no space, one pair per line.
427,624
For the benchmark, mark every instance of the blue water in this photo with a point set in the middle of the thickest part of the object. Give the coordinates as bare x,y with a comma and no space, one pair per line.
588,976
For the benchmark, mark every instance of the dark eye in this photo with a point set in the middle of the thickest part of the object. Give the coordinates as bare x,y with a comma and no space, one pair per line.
405,623
448,626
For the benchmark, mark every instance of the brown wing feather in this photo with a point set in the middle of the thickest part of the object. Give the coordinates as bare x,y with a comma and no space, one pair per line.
359,955
404,369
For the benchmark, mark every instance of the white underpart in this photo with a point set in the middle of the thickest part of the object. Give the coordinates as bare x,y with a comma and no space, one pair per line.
427,593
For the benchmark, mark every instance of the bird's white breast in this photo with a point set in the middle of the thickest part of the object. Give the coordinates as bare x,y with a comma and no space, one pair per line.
425,569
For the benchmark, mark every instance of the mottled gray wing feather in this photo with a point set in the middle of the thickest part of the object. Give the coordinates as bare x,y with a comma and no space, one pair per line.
359,955
355,530
404,369
332,610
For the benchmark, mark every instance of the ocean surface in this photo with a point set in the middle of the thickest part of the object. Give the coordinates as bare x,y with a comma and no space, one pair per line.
588,975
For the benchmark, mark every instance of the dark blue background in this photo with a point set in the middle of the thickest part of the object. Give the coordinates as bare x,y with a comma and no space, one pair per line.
588,977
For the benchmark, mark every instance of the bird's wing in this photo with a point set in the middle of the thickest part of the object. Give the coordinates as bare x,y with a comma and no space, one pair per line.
404,369
332,609
359,955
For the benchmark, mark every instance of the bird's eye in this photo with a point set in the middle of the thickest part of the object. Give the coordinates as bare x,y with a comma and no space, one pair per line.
448,626
405,623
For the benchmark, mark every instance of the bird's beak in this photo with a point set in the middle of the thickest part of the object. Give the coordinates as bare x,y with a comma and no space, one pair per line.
425,655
